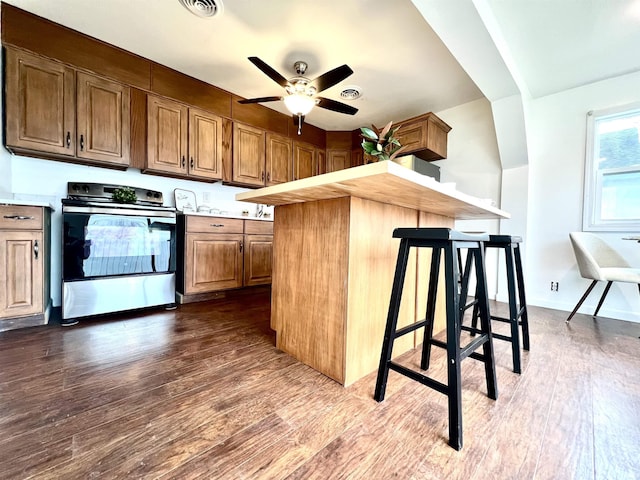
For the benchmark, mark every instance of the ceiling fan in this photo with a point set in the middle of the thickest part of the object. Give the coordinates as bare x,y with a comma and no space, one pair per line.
301,92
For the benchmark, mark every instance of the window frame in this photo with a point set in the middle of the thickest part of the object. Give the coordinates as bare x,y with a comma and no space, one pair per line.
591,211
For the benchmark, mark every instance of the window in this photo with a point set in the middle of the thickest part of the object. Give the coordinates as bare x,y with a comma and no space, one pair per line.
612,171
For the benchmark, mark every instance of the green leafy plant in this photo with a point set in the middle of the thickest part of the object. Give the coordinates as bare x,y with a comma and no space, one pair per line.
380,144
124,195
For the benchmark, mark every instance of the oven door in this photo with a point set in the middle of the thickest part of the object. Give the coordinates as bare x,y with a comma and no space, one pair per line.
117,259
111,242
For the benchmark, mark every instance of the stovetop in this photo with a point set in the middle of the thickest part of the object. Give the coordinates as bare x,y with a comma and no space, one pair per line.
103,193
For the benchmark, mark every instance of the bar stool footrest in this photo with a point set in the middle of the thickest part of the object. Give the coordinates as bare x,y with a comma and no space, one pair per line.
472,346
500,319
502,337
468,349
409,328
471,330
418,377
469,305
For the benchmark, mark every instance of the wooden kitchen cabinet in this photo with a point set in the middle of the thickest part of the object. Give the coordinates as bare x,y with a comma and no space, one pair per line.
212,254
248,155
357,157
215,262
321,161
24,266
45,100
103,119
278,161
304,160
258,252
424,136
183,141
338,160
217,254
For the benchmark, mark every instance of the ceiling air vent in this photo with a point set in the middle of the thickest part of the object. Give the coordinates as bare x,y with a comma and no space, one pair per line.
203,8
351,92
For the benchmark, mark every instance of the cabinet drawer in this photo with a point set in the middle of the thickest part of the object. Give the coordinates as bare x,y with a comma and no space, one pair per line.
18,217
214,224
258,227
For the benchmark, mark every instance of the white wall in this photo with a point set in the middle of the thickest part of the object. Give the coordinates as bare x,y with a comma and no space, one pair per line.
46,180
473,163
556,132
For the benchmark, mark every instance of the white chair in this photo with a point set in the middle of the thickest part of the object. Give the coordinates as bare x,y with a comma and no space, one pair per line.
599,262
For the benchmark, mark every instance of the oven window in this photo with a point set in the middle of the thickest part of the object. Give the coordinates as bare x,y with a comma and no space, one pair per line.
100,245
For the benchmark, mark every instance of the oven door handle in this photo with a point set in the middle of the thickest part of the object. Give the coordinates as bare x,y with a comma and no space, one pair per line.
118,211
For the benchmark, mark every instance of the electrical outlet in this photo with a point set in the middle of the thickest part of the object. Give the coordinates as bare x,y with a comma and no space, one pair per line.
206,197
554,286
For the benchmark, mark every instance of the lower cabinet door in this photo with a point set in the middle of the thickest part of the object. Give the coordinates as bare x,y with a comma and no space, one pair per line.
258,253
213,262
21,273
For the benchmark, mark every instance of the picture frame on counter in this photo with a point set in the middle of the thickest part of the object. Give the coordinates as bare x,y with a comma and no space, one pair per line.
185,200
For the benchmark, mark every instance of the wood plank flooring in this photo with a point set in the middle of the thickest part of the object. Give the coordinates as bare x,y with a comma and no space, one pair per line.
201,392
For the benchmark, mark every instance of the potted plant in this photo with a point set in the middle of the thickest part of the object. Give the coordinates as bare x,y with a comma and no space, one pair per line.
124,195
380,144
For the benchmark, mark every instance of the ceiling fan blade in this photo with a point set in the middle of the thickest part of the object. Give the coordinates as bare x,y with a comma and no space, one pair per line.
332,77
260,100
269,72
336,106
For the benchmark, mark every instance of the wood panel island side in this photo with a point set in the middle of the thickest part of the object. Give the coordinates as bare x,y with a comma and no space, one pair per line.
334,259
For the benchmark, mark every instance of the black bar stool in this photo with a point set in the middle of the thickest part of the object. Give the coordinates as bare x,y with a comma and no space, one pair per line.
515,285
447,242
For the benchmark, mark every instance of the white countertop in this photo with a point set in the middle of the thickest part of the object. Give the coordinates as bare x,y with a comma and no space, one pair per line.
384,182
25,203
225,215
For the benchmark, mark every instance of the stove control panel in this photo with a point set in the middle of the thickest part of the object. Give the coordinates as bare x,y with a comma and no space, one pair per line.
103,192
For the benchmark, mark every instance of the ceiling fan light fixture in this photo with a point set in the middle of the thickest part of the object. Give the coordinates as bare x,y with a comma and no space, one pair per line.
299,104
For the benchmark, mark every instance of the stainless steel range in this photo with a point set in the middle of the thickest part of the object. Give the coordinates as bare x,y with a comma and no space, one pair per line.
116,256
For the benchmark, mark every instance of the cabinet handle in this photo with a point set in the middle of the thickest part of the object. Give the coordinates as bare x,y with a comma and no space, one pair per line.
36,249
263,176
183,161
81,142
241,246
191,163
68,139
268,176
216,224
18,217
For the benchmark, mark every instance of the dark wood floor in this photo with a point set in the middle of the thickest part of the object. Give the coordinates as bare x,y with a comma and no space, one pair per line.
201,392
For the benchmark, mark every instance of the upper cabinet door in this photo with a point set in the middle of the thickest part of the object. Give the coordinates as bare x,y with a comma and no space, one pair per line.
205,144
248,155
278,159
304,164
166,135
103,114
338,160
40,104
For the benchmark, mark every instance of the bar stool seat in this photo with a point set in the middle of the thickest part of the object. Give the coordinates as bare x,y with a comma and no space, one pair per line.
518,316
444,242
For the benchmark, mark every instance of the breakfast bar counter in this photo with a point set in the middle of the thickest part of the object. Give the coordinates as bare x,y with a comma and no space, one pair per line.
334,259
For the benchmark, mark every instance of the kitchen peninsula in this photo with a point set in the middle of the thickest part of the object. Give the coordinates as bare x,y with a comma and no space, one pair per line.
334,259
